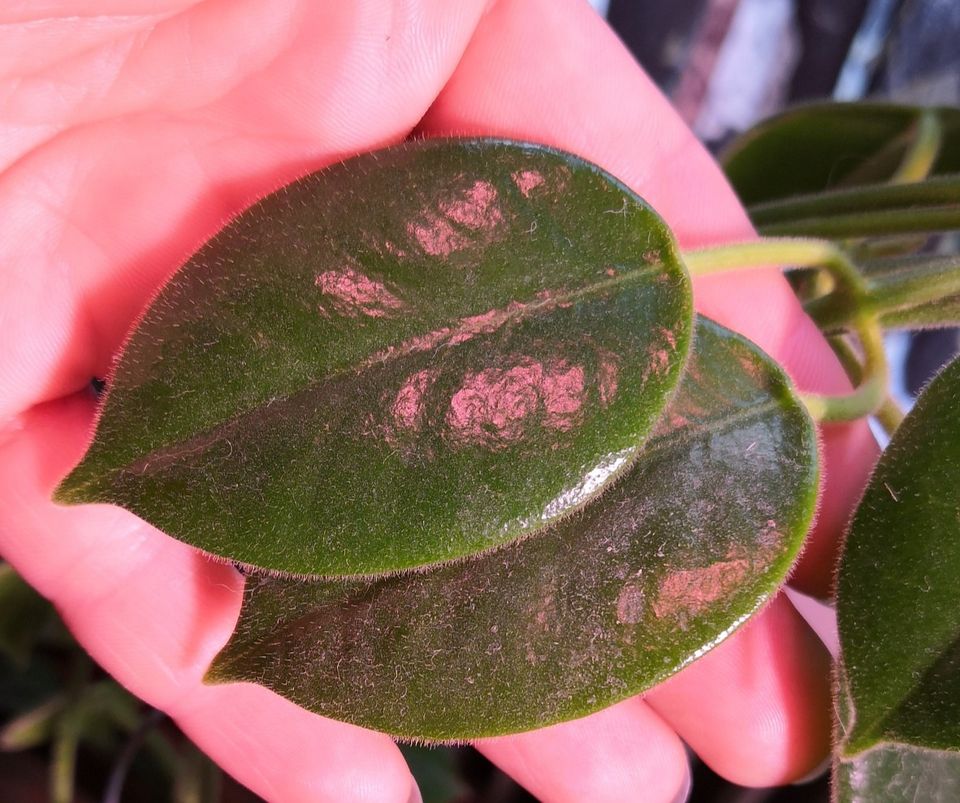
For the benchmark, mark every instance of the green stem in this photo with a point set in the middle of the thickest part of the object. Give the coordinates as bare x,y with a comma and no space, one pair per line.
118,775
866,397
831,312
808,253
848,357
63,763
889,414
199,780
796,252
919,159
909,283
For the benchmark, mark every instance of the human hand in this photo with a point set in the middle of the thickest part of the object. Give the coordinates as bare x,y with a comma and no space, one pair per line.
131,136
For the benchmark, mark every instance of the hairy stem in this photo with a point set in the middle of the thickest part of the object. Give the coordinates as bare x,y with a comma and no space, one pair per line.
910,283
869,394
889,414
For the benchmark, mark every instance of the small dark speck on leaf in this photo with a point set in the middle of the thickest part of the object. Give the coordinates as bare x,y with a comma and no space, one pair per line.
97,385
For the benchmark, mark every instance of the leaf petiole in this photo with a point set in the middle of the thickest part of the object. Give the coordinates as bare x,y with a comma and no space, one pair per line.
922,154
908,284
889,414
869,394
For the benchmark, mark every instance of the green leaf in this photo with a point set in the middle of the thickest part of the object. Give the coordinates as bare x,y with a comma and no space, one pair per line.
821,146
926,206
898,774
913,292
908,292
24,615
898,599
932,194
884,223
943,312
404,359
668,562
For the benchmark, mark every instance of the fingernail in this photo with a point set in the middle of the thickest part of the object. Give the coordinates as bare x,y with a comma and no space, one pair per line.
415,796
684,793
819,770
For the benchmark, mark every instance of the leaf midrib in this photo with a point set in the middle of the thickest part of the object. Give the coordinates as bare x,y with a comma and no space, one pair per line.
412,345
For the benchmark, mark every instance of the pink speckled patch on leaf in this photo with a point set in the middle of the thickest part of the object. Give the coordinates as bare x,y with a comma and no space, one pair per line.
527,180
408,406
688,592
440,233
351,294
476,208
496,406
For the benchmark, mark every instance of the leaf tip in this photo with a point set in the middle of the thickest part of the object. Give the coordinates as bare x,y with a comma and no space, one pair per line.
66,492
218,673
73,490
214,676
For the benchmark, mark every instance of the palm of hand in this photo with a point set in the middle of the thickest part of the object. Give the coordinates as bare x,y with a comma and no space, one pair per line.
131,138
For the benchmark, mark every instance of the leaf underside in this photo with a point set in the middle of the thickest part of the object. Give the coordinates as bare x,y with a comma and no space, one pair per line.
411,357
665,564
898,599
818,147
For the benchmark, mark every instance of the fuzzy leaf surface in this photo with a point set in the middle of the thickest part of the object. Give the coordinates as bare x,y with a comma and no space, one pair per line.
695,537
905,279
898,599
407,358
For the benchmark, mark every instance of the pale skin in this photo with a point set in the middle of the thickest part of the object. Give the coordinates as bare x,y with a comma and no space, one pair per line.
128,135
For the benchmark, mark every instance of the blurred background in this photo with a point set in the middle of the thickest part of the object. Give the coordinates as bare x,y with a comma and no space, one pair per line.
68,733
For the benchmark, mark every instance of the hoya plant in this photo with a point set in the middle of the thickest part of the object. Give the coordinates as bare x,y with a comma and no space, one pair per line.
449,408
